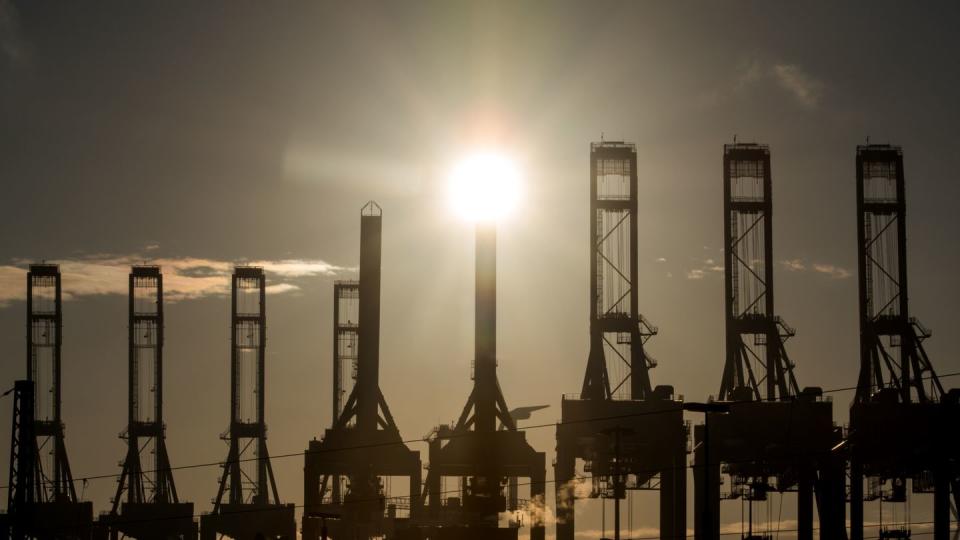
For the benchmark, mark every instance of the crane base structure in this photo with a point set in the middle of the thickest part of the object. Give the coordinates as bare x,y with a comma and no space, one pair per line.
651,463
377,453
149,521
891,441
28,516
471,514
49,520
250,522
779,446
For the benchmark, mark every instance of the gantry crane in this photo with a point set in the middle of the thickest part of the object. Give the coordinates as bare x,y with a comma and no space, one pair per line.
617,403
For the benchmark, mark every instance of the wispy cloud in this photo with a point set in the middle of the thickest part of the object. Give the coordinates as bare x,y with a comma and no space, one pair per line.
11,284
793,79
281,288
296,267
803,86
184,278
794,265
830,270
834,272
704,267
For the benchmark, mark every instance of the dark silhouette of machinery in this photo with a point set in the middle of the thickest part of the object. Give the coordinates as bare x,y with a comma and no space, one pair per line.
903,426
248,505
146,505
483,457
363,444
42,499
765,435
617,402
775,437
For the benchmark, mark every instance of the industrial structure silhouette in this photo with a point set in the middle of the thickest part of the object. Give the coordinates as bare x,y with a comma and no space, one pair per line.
763,434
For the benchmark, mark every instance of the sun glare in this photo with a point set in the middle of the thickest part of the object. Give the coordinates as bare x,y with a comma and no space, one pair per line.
484,187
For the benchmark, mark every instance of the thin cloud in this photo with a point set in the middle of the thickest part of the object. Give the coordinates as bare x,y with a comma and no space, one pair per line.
799,84
832,271
706,266
296,267
281,288
795,80
794,265
184,278
12,283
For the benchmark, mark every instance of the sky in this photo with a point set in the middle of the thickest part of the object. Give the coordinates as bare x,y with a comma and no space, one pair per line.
199,136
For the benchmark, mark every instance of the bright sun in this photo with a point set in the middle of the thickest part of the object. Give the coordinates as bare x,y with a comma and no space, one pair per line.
484,187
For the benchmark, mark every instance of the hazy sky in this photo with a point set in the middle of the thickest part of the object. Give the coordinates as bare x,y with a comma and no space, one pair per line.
201,135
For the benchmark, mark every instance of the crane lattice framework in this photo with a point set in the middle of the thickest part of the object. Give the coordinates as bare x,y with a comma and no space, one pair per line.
24,489
617,400
364,443
44,343
775,437
903,425
346,345
483,449
150,507
901,364
618,331
248,505
755,335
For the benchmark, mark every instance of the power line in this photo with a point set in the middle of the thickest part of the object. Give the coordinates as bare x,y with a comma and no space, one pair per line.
463,434
444,492
526,428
